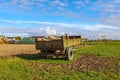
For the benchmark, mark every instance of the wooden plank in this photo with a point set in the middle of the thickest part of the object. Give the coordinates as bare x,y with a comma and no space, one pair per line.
72,41
50,45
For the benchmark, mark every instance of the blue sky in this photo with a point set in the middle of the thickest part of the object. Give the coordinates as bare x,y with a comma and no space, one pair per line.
89,18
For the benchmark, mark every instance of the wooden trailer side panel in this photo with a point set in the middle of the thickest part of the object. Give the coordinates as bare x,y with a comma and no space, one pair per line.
57,44
71,42
50,45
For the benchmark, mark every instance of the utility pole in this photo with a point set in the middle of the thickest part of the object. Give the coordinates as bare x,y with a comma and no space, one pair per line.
94,37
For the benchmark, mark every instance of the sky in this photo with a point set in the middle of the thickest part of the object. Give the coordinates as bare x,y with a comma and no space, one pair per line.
90,18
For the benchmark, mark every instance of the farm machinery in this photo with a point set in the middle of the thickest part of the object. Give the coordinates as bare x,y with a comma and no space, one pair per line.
57,46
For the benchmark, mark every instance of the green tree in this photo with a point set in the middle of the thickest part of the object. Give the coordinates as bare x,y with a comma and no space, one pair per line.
18,38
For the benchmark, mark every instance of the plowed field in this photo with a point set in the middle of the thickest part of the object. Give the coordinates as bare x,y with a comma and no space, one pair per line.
87,62
13,49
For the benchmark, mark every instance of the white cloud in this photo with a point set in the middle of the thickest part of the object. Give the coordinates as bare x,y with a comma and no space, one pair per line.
48,30
108,13
61,7
106,6
100,27
70,25
46,7
58,3
113,20
38,22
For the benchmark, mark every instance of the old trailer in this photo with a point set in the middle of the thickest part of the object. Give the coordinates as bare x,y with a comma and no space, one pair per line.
57,46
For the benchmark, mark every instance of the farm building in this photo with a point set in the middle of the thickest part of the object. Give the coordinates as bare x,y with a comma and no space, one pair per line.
27,40
11,38
37,37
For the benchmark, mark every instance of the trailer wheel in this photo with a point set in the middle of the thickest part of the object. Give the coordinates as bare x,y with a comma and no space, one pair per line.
70,53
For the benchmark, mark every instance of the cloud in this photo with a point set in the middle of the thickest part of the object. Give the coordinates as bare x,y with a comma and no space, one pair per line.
113,20
106,12
53,4
38,22
100,27
106,7
70,25
30,31
45,7
61,7
80,3
50,30
58,3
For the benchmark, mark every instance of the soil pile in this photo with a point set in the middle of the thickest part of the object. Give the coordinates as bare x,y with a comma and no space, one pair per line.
49,38
94,63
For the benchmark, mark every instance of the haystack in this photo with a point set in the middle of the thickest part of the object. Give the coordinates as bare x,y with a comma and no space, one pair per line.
2,40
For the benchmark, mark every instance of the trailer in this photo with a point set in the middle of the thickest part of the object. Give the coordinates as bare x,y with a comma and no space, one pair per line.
57,46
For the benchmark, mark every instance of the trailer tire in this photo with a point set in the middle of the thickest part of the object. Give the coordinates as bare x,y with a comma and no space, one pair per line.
70,53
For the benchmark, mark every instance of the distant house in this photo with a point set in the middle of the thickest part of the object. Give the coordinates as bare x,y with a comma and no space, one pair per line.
26,40
37,36
84,39
10,38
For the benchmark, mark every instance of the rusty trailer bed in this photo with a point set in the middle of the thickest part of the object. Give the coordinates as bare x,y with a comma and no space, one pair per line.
57,46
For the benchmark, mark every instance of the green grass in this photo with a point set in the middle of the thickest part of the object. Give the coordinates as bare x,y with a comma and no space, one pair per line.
108,50
14,69
17,68
83,75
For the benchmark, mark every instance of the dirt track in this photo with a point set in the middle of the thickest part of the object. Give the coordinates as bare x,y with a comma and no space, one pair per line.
13,49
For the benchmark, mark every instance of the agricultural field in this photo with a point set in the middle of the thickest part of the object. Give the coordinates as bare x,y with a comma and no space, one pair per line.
13,49
96,62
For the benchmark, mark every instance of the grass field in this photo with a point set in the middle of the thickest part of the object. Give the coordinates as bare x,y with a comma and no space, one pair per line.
99,62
